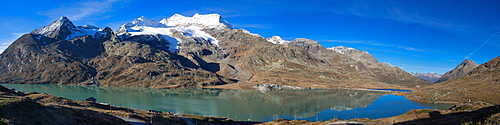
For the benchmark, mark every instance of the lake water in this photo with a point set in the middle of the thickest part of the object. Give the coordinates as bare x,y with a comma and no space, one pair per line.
245,105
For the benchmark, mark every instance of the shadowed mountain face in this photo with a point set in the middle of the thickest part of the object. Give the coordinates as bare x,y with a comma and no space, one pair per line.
63,54
480,84
461,70
197,53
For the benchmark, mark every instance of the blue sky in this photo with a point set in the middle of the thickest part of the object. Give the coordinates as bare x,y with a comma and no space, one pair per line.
415,35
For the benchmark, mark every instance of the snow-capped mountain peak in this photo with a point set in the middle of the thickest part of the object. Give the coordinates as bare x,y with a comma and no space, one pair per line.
62,25
62,22
136,24
190,27
277,40
64,19
63,29
176,16
143,21
203,21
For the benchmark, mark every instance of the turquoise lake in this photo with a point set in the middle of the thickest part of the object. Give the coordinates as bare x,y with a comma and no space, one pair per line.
243,105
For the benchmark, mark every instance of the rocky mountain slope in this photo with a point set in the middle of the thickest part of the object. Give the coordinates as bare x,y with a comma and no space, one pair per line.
179,51
429,77
461,70
481,84
54,55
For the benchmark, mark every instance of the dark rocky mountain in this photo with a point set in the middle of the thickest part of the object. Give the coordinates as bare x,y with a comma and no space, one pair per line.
204,51
48,56
461,70
429,77
480,84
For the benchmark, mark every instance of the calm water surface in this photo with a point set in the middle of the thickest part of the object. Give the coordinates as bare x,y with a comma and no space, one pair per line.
245,105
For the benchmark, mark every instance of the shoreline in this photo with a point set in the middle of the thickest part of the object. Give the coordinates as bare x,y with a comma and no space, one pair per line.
399,93
339,121
145,116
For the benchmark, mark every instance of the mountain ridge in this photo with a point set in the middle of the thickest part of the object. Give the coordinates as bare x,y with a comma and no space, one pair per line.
145,53
461,70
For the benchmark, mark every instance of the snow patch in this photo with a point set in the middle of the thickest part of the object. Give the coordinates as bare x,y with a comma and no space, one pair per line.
248,32
174,43
343,50
204,21
196,32
192,31
387,64
277,40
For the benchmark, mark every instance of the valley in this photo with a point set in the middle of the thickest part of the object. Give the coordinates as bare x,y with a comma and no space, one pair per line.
202,69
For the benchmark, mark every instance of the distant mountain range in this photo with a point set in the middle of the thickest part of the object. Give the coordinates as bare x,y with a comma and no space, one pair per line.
179,51
461,70
429,77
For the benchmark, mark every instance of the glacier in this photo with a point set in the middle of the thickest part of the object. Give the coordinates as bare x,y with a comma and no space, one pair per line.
188,26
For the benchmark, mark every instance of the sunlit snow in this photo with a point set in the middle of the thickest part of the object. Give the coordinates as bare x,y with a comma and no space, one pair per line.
206,21
342,49
188,26
277,40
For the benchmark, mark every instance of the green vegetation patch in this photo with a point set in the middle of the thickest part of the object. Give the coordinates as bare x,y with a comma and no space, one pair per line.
465,108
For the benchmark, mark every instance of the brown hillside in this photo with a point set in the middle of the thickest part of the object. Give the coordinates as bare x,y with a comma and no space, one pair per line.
461,70
481,84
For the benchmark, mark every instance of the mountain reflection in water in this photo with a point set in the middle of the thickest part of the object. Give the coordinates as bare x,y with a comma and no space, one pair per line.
235,104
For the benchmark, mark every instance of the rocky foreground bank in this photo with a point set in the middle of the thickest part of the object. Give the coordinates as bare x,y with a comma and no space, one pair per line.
22,108
34,108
